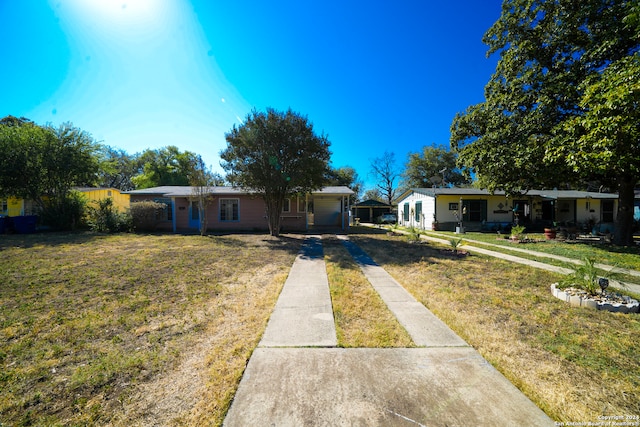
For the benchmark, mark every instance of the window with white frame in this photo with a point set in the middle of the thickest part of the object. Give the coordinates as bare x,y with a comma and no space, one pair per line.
302,204
286,206
229,209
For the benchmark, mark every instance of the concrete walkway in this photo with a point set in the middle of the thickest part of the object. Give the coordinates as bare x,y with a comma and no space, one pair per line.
537,264
296,376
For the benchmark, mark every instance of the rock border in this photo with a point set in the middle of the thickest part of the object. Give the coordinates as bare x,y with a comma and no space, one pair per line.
633,306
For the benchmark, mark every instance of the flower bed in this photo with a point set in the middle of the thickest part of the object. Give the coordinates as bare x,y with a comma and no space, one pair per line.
610,302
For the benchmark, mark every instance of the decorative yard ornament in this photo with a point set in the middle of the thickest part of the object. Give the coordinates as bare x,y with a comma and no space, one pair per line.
604,283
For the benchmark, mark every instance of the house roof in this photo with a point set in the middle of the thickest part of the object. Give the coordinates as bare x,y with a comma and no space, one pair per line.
546,194
372,203
187,191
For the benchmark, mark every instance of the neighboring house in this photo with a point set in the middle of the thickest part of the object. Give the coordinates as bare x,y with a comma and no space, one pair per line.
234,209
19,207
479,210
14,206
369,210
93,194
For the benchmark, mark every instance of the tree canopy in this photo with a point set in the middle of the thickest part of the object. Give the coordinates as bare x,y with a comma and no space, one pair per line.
43,163
276,154
434,166
346,176
551,53
165,166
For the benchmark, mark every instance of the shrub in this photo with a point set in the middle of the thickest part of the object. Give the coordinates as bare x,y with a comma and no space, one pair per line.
65,212
105,218
145,214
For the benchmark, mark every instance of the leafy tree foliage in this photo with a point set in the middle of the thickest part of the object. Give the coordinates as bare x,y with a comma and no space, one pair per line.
550,51
346,176
43,164
276,154
435,165
165,166
385,171
372,194
117,168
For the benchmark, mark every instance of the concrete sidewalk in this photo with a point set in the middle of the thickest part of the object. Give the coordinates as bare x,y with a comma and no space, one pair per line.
444,383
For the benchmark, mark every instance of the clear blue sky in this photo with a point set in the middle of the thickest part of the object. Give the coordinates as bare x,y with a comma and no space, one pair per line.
374,76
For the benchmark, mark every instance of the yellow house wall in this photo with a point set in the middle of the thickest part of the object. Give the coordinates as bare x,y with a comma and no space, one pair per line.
120,201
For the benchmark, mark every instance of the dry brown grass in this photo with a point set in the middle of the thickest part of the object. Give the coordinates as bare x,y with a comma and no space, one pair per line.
362,318
576,364
132,329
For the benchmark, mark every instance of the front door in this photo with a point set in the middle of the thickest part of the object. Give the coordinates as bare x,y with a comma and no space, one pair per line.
194,215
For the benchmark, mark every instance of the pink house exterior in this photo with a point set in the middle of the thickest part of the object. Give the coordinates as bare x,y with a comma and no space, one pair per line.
233,209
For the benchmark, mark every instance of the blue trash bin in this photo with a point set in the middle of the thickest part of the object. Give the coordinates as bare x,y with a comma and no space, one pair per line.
25,224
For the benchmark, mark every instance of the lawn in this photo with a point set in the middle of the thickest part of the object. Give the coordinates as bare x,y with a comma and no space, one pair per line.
157,329
131,329
576,364
625,257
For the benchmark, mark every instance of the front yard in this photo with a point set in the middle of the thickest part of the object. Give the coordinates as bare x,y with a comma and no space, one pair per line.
140,329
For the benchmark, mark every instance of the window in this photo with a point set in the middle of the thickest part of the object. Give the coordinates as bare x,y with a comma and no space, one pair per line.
406,212
302,204
167,213
474,210
607,211
418,211
286,207
3,206
453,206
229,210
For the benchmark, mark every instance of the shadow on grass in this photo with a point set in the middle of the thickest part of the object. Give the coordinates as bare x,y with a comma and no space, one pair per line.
52,238
400,251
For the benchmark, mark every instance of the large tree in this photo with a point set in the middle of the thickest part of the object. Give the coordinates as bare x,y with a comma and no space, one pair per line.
346,176
385,172
548,50
165,166
435,165
42,164
118,168
276,154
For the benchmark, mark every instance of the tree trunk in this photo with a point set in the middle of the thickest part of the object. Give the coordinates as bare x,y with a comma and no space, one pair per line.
623,234
274,208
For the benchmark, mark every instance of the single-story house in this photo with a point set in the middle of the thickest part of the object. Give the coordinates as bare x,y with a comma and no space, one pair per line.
479,210
369,210
234,209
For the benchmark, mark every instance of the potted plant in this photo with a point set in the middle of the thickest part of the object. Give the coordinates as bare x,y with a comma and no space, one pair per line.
517,232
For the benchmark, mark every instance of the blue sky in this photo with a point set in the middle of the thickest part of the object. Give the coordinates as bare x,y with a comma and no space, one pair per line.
374,76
